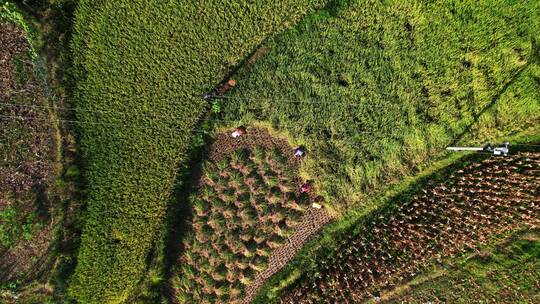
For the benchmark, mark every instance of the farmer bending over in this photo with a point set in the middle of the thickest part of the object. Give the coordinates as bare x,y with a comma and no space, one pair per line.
300,152
305,188
239,132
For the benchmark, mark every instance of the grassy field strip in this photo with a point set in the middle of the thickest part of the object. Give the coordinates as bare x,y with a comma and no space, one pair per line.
385,296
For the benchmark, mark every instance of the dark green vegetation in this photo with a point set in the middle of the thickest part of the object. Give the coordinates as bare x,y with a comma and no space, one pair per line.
16,225
376,89
140,67
507,272
246,207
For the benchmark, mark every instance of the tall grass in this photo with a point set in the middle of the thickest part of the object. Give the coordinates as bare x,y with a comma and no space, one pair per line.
386,85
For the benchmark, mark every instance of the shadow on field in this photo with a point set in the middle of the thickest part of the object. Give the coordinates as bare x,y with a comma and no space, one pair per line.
534,57
179,215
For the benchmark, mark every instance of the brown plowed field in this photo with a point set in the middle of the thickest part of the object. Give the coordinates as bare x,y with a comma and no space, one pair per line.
491,196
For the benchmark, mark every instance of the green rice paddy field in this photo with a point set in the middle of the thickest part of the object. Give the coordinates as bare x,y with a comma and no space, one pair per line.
376,89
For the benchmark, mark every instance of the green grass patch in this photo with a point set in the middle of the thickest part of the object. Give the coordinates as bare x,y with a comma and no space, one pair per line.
139,67
376,89
16,225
